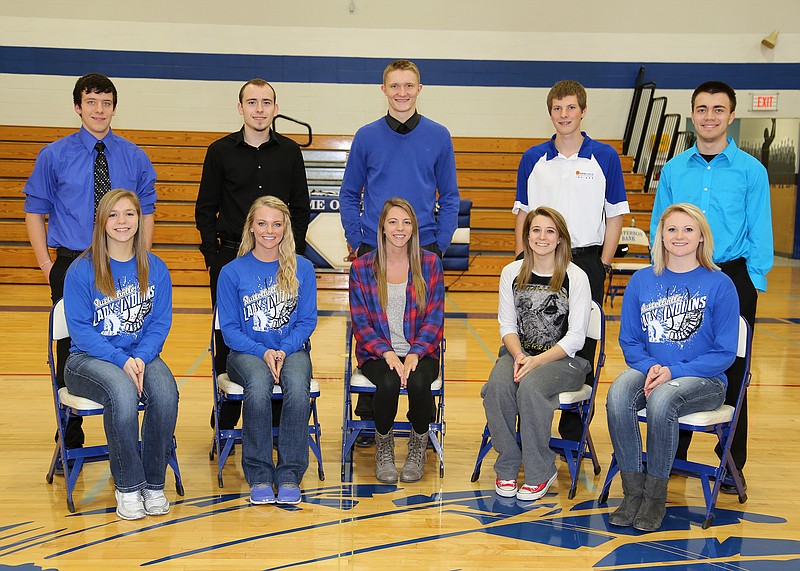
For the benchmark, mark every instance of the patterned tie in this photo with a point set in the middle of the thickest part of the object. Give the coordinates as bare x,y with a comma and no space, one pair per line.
102,182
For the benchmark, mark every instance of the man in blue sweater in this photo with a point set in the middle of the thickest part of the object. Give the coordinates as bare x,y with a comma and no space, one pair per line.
406,155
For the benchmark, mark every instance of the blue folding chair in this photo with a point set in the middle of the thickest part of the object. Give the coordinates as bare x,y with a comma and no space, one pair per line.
225,390
68,405
356,383
722,423
580,402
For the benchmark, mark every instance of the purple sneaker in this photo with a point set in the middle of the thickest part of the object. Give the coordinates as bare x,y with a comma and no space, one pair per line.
262,494
289,494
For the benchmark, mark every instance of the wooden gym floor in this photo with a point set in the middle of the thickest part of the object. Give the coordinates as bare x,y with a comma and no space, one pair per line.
441,524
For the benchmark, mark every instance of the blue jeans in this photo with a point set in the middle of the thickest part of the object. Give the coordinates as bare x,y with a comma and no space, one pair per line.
668,402
255,377
107,384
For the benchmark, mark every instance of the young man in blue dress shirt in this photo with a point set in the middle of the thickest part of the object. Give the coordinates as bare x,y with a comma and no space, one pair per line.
60,195
732,189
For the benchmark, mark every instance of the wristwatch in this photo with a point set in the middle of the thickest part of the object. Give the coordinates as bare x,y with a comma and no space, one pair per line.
607,268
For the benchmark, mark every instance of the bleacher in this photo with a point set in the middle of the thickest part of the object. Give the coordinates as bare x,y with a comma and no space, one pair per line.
487,171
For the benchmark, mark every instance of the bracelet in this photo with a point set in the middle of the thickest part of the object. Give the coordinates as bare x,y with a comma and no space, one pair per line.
47,262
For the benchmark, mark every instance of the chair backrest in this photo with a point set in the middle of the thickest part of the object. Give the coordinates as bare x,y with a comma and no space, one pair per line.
632,235
596,325
743,349
58,322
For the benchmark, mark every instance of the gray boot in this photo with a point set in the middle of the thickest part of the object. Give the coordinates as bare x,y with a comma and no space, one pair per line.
632,489
385,470
415,462
651,512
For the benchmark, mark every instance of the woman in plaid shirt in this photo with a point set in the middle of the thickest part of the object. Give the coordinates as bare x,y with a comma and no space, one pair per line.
397,309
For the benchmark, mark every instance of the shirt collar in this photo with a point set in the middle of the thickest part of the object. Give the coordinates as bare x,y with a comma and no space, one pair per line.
729,152
89,141
238,137
411,123
583,153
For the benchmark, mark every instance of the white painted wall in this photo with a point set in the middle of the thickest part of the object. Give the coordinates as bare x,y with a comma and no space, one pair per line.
619,30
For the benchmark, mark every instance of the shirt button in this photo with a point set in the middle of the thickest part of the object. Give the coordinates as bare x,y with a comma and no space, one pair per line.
705,189
259,166
707,168
260,187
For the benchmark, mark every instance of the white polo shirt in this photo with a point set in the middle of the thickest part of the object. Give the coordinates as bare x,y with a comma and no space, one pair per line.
586,188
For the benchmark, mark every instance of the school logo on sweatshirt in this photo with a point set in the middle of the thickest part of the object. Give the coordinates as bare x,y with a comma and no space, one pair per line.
269,308
674,318
125,313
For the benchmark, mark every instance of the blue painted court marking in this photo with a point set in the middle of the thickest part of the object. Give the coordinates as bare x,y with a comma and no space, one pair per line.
492,355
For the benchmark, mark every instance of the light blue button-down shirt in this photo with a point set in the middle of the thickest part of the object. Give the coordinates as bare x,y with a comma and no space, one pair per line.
733,192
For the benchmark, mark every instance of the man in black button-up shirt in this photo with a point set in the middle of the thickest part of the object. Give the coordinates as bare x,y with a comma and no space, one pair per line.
238,168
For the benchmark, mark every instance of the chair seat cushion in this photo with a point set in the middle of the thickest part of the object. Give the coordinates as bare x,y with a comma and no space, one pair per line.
228,387
702,418
79,403
628,266
582,394
359,380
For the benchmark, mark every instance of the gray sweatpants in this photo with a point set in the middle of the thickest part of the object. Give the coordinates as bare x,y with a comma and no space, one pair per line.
533,399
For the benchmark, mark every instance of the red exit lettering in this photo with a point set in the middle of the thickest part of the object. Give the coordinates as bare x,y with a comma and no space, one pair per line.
764,101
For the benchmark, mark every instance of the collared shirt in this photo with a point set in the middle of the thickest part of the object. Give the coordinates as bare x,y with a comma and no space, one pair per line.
586,188
403,128
235,174
62,184
733,192
423,326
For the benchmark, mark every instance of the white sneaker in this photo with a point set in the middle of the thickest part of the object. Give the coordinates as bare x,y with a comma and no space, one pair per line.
155,502
130,505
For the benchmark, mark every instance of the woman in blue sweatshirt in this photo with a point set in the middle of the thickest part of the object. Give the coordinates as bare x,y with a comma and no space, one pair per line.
679,332
118,305
267,304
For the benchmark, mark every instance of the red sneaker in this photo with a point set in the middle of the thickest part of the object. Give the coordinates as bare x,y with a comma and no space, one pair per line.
505,488
528,493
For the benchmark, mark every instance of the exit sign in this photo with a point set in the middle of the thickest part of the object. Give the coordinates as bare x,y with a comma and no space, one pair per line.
765,102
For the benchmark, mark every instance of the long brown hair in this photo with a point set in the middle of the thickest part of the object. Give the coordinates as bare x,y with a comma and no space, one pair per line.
414,258
563,251
286,278
98,251
705,249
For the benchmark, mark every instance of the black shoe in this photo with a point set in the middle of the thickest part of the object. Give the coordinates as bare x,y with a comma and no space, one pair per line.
364,441
59,471
729,487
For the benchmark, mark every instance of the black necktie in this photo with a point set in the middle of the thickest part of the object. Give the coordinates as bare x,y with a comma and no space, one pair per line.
102,182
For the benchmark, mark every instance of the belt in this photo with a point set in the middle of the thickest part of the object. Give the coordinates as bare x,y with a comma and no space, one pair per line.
582,251
67,253
738,262
229,244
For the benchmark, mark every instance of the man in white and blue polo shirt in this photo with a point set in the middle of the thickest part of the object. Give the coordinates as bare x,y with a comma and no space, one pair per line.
582,179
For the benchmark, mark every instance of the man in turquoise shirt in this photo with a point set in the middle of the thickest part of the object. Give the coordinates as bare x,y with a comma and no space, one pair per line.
731,187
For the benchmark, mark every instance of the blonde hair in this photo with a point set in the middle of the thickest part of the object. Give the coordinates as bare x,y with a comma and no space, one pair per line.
563,251
401,65
414,258
98,251
286,278
705,249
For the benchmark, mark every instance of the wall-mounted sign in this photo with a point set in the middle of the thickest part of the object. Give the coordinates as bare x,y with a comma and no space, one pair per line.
765,102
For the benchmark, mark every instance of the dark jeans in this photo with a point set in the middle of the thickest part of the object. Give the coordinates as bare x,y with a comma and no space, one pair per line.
229,411
748,299
569,426
364,402
73,436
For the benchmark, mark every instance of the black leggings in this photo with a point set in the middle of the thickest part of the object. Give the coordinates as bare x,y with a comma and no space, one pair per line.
387,393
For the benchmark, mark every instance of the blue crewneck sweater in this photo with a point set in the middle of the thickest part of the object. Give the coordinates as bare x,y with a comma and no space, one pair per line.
688,322
130,324
254,316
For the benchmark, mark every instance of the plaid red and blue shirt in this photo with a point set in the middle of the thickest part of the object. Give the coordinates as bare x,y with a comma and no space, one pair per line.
423,327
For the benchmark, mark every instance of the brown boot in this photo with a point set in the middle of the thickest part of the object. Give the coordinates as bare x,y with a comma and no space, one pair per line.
385,469
415,462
